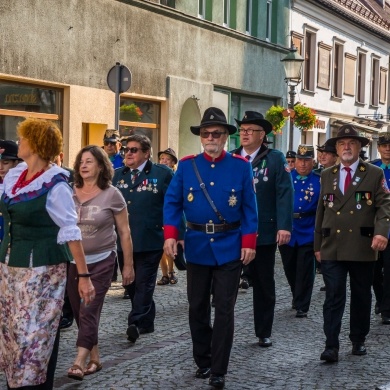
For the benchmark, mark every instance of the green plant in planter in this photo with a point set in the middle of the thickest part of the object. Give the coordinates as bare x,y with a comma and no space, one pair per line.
304,118
275,115
130,112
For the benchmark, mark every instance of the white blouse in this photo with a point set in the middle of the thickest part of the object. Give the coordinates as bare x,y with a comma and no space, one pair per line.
59,202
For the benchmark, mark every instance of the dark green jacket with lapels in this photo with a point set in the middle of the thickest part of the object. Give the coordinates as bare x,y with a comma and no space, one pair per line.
346,223
274,194
145,201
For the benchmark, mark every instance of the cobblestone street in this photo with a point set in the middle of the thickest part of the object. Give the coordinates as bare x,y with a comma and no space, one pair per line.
163,359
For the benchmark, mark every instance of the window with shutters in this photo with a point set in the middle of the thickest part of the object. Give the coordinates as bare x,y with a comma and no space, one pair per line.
205,8
383,86
361,78
337,82
374,99
297,41
349,74
230,13
269,20
309,60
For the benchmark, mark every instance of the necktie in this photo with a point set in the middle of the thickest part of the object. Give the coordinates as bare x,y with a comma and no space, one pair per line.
134,175
248,157
348,179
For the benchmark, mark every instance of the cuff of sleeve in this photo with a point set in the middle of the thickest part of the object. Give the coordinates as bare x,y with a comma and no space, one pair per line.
171,232
69,233
249,241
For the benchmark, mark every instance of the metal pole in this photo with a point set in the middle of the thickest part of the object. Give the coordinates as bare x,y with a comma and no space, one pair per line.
292,94
117,93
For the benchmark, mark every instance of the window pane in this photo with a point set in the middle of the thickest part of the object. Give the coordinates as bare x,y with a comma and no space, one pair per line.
8,125
139,111
23,97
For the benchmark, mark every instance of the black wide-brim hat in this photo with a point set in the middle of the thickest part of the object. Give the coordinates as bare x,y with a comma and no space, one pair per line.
10,150
170,152
213,116
257,119
327,148
384,139
348,131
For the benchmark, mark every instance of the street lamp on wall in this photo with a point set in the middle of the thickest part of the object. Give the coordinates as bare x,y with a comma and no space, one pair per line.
293,68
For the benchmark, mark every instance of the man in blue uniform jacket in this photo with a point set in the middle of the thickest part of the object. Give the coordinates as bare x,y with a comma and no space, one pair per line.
215,191
298,255
274,195
381,283
143,184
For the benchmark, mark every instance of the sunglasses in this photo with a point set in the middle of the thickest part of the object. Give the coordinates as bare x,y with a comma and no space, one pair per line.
106,143
247,131
214,134
131,150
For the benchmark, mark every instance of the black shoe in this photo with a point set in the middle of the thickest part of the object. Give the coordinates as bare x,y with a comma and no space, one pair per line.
323,288
66,323
203,373
150,329
358,349
330,355
126,295
301,314
132,333
265,342
217,381
244,284
377,308
385,320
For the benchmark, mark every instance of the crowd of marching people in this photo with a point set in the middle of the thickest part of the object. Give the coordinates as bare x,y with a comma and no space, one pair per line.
66,234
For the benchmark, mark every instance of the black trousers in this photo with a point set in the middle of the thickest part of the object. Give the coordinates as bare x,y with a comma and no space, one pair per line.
212,344
67,311
335,275
381,282
299,267
262,273
141,291
51,368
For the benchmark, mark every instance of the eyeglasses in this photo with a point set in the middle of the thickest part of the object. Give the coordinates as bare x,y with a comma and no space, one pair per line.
214,134
106,143
131,150
247,131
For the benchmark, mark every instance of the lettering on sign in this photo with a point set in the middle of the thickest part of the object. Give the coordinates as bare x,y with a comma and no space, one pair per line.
17,98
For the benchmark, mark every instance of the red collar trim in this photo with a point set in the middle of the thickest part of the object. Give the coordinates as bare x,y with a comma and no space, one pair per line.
209,158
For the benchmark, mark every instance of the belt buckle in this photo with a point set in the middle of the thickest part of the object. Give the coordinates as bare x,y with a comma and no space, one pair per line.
210,228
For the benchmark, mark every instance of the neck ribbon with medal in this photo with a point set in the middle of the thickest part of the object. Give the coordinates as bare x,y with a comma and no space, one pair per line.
262,171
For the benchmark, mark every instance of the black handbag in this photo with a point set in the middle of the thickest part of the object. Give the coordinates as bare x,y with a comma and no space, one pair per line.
180,261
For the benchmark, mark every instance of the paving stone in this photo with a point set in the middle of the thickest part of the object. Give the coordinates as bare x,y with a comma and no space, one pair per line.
163,359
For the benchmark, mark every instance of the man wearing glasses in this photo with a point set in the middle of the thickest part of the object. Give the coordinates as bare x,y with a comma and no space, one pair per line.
274,195
112,146
143,184
215,191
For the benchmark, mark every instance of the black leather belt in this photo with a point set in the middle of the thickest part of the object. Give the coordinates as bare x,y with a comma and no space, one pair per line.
211,228
304,215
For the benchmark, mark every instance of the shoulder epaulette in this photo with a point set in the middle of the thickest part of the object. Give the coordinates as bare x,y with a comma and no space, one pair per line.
239,156
188,157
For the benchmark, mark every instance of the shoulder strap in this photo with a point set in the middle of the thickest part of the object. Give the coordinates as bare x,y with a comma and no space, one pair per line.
206,194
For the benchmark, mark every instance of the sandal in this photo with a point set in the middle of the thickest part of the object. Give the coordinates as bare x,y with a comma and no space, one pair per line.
172,278
76,375
163,281
90,365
